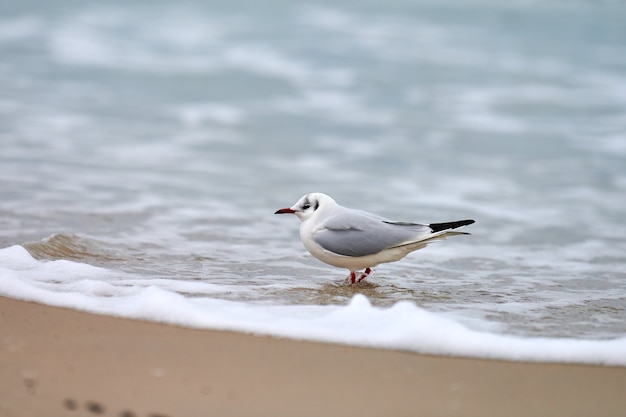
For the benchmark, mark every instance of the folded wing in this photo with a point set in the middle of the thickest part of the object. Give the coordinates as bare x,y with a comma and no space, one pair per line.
361,234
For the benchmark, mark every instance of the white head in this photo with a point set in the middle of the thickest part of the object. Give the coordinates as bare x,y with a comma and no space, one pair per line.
308,205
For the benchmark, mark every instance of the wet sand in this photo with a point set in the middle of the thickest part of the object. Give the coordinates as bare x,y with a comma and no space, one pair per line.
59,362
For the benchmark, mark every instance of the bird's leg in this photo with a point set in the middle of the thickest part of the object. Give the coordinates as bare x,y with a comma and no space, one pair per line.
365,274
352,277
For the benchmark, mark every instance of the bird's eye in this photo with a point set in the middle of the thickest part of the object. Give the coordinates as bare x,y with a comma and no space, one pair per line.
306,206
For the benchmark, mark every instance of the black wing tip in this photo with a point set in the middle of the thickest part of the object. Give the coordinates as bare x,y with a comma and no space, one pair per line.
438,227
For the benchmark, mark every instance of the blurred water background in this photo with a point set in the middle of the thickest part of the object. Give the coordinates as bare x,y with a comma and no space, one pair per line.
156,139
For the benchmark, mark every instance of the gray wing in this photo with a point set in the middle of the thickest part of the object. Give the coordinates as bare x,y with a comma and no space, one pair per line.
361,234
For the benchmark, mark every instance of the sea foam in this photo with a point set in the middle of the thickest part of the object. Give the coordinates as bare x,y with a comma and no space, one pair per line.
403,326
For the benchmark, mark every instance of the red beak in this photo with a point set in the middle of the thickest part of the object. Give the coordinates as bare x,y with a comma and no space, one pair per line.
285,211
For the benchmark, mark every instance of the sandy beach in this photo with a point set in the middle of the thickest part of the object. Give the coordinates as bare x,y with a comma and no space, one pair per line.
60,362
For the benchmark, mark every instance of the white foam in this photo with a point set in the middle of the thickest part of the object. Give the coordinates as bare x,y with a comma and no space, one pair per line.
403,326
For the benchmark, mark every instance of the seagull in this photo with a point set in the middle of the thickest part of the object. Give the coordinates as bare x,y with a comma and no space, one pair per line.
358,240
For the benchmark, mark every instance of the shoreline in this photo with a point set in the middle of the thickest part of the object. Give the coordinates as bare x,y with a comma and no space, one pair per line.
57,361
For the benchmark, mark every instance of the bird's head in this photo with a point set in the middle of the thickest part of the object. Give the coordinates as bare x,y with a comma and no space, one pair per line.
308,205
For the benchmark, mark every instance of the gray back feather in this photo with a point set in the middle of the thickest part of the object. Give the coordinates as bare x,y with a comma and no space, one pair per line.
360,234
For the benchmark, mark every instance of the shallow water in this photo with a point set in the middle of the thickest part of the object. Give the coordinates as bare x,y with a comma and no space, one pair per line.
156,140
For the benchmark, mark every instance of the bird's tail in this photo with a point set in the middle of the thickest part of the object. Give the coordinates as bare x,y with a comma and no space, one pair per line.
438,227
440,231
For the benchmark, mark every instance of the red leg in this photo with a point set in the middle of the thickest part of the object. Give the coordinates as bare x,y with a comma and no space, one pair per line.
365,274
352,277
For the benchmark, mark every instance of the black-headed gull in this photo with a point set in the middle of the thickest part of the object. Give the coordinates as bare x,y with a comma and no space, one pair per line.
355,239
